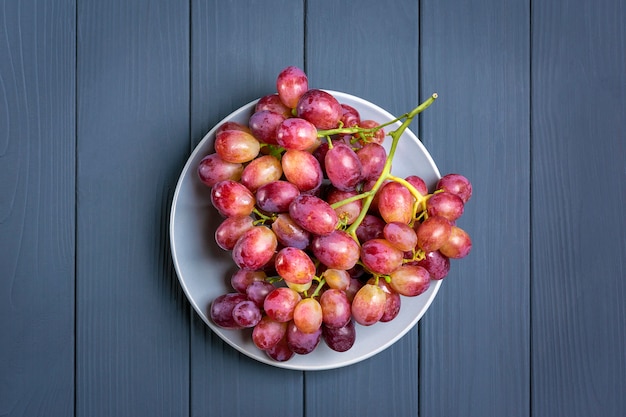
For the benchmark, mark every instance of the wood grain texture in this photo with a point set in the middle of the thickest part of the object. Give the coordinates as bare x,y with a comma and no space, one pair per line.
132,324
237,52
370,51
37,143
475,339
579,172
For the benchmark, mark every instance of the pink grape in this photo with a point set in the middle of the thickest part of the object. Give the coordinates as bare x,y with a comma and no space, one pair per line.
377,137
368,304
343,167
280,303
231,229
349,116
456,184
348,212
438,265
302,169
232,198
300,342
445,204
236,146
313,214
263,125
294,265
335,307
258,290
353,288
307,316
232,125
268,332
276,196
380,256
338,279
395,203
289,233
410,280
459,244
281,351
291,84
272,103
319,108
393,302
400,235
337,250
246,314
372,227
212,169
296,133
255,248
260,171
418,183
373,158
221,310
340,339
242,278
433,232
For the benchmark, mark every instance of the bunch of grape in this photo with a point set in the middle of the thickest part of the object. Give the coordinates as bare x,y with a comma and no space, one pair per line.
323,234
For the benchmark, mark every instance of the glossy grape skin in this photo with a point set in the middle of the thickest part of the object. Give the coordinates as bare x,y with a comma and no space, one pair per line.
276,196
349,116
438,265
393,302
260,171
302,169
433,232
395,203
280,303
335,307
337,250
300,342
273,103
368,305
400,235
289,233
291,84
221,310
372,227
340,339
258,290
410,280
242,278
236,146
313,214
268,332
296,133
348,212
294,265
255,248
232,125
373,158
379,135
319,108
459,244
418,183
337,278
380,256
280,352
212,169
307,316
343,167
445,204
247,314
456,184
263,125
231,229
232,198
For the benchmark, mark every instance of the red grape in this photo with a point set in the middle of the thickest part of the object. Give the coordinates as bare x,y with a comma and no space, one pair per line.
263,125
433,232
340,339
260,171
410,280
212,169
319,108
313,214
294,265
291,84
380,256
280,303
343,167
445,204
296,133
302,169
456,184
255,248
337,250
368,304
458,245
236,146
307,315
268,332
232,198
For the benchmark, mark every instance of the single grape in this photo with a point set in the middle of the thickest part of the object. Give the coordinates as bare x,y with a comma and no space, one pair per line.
418,183
294,265
272,103
349,116
276,196
372,227
307,316
242,278
433,232
280,303
212,169
232,198
231,125
236,146
368,304
348,212
231,229
459,244
247,314
338,279
296,133
319,108
353,288
335,307
400,235
300,342
343,167
302,169
395,203
438,265
221,310
289,233
261,171
456,184
313,214
373,158
410,280
281,351
380,256
291,84
268,333
377,137
340,339
337,250
255,248
393,302
258,290
263,125
445,204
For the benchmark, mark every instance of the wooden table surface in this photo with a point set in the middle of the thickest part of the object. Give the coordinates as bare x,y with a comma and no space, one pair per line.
102,102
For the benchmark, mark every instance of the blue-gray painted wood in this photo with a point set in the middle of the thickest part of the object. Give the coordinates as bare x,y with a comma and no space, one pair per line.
236,55
578,200
475,340
37,227
132,332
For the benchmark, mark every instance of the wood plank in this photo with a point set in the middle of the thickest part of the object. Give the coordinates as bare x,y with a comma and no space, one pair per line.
475,340
37,146
370,51
579,246
132,325
237,52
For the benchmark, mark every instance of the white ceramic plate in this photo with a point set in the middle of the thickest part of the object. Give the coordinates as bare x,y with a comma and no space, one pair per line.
204,269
